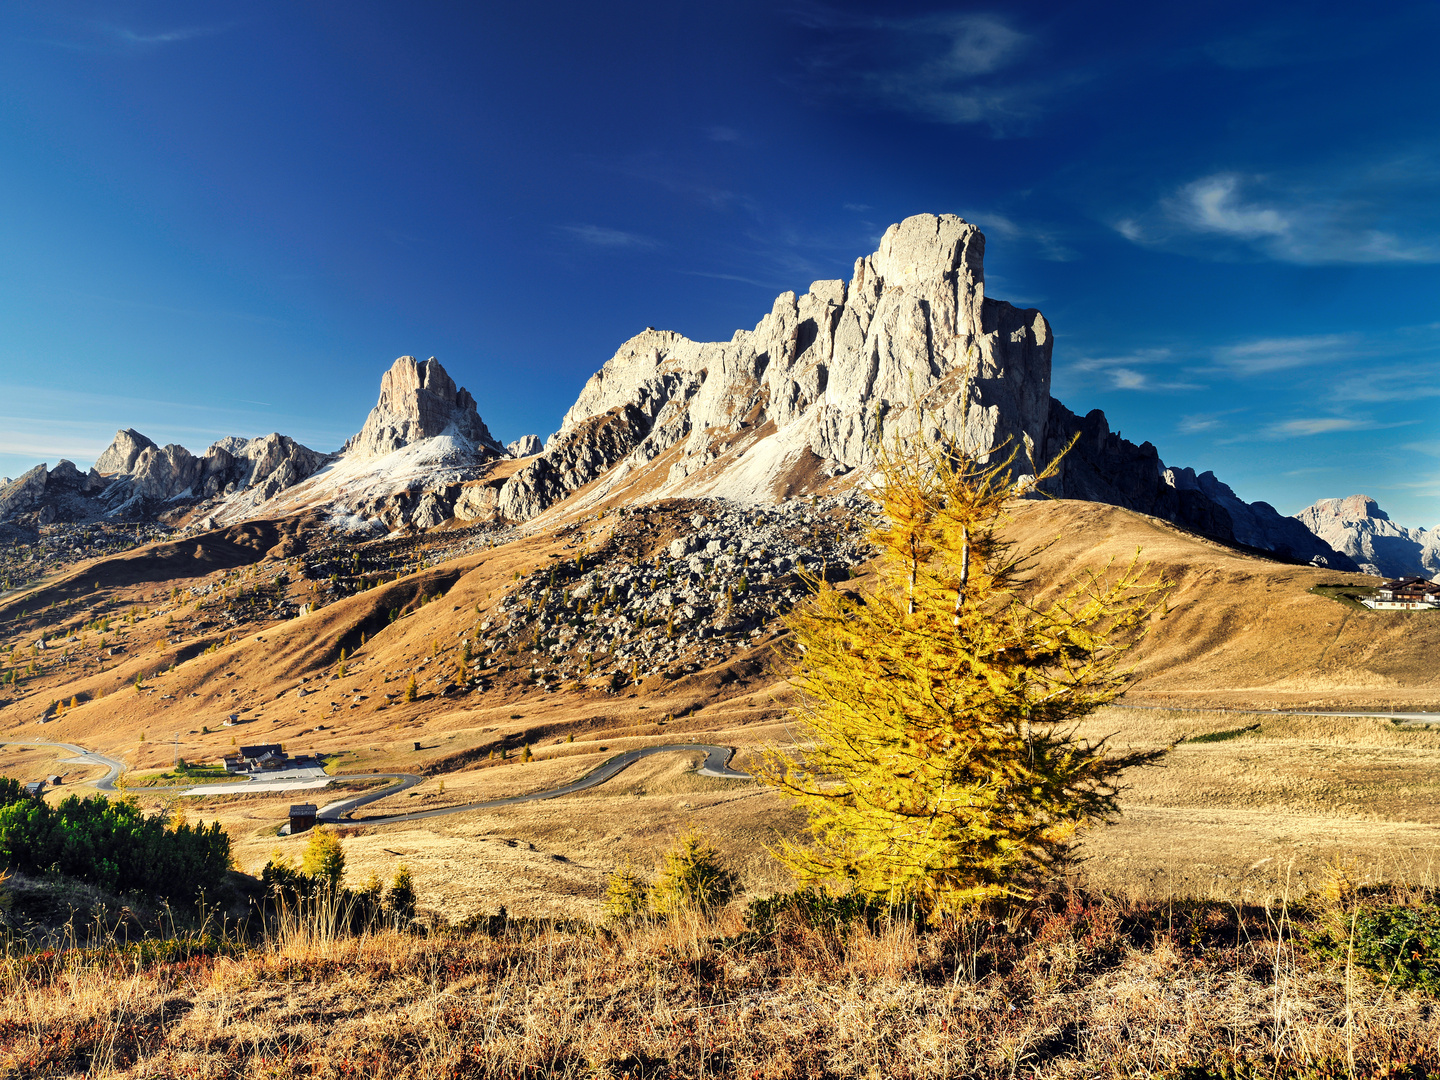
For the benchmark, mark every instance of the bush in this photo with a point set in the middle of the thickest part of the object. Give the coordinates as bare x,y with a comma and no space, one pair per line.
627,896
1398,943
692,878
324,858
817,909
114,845
400,898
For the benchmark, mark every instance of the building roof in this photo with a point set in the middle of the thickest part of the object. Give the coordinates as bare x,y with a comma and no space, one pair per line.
304,809
261,750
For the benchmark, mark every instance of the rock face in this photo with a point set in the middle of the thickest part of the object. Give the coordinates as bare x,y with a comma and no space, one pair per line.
136,479
1357,527
525,446
419,401
910,339
911,343
1103,467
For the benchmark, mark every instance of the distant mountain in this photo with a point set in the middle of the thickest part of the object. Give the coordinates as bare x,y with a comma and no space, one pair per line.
136,480
413,463
1358,527
909,347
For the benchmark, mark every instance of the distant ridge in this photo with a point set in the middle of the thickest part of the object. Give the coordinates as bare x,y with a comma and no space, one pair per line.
910,346
1358,527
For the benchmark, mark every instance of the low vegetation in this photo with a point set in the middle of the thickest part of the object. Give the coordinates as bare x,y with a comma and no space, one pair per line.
797,986
112,844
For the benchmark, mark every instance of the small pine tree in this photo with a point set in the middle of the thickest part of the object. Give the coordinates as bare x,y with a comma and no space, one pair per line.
412,689
525,754
940,705
400,898
324,858
692,878
627,896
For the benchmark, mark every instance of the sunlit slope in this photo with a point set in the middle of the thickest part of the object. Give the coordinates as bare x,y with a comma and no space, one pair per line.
1240,629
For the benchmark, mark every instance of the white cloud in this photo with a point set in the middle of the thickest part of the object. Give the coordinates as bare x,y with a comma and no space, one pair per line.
1339,220
1045,239
1278,354
1326,425
1212,203
947,68
1125,372
602,236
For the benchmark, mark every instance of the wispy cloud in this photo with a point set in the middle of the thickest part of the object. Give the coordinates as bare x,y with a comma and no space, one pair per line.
1264,355
1327,425
947,68
721,134
1226,213
1134,371
605,237
103,37
1195,423
1046,239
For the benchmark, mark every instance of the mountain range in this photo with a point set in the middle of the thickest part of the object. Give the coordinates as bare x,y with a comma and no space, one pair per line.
910,346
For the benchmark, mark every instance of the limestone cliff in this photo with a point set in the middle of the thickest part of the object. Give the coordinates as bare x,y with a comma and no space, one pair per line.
1358,528
419,401
910,343
824,377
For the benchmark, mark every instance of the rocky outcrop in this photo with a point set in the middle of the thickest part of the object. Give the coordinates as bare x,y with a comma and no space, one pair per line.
43,495
120,457
576,456
525,446
420,401
137,480
910,339
910,344
1103,467
1358,528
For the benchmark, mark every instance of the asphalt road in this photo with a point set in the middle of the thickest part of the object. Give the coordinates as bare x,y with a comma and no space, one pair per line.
716,764
82,757
1418,717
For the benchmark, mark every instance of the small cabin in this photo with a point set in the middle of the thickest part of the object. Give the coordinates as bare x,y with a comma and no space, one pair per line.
302,817
264,756
35,789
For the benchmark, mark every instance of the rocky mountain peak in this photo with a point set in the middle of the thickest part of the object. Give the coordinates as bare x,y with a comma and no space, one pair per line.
420,401
124,450
1358,527
810,392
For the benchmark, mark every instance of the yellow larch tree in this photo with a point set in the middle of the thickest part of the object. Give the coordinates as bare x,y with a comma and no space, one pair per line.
938,762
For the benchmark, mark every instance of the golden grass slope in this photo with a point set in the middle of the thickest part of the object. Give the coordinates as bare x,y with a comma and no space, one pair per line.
1241,632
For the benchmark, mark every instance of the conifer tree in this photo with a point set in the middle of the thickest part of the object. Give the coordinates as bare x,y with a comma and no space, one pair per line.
941,768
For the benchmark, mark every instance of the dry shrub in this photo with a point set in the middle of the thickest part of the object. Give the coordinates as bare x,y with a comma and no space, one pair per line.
1080,986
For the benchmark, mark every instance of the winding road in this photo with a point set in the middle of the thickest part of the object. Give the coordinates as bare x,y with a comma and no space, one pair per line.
716,765
82,757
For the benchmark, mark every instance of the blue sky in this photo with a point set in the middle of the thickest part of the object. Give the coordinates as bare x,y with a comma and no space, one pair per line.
230,218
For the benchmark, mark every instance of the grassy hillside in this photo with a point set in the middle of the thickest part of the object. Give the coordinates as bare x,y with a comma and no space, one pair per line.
1241,632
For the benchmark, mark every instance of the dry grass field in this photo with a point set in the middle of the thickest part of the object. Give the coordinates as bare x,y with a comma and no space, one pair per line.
1182,944
1241,632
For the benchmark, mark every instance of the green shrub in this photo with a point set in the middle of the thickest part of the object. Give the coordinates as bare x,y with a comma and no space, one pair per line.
400,898
627,896
817,909
1397,943
692,878
111,844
